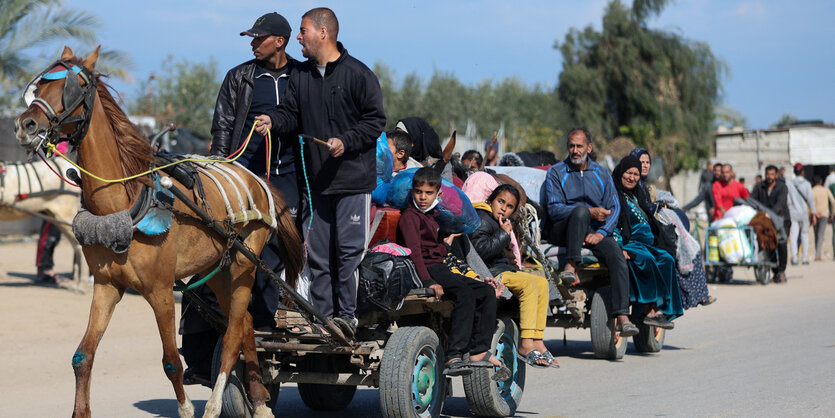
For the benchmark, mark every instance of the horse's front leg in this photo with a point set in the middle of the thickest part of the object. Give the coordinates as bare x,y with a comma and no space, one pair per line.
161,300
238,331
105,297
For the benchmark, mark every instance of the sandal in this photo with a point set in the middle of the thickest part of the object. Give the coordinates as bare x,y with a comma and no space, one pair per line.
658,321
552,361
568,278
457,367
531,359
627,329
710,299
501,372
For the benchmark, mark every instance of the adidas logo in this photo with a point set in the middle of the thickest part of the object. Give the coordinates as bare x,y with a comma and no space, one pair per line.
293,211
355,219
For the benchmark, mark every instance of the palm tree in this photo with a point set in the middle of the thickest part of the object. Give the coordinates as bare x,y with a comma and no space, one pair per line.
31,34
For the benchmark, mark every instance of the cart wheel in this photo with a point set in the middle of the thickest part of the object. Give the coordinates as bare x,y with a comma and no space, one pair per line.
604,342
650,339
763,273
710,274
498,399
411,379
319,397
234,400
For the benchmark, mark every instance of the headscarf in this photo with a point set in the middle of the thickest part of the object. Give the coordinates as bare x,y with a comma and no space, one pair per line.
630,161
637,153
425,139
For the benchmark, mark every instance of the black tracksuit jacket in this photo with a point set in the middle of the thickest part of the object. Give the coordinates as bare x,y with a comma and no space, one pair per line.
346,103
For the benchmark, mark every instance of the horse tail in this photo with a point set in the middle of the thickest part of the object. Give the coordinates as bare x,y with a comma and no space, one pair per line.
291,249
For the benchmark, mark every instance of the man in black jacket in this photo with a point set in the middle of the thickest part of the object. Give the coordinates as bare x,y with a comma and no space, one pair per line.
334,97
773,193
249,90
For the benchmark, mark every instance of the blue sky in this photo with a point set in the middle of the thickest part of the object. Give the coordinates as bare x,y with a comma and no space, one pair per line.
780,53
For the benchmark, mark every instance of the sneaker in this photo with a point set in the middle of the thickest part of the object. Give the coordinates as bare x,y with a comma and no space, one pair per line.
348,326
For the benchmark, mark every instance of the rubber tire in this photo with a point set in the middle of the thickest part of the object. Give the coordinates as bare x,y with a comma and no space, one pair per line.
235,403
496,399
604,343
319,397
650,339
397,373
762,273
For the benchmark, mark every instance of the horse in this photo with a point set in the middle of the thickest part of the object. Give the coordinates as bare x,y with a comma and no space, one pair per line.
30,189
70,99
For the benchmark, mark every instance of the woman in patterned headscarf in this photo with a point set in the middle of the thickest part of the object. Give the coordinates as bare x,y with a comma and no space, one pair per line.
653,271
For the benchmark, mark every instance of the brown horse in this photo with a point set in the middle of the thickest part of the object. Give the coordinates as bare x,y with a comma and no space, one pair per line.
112,149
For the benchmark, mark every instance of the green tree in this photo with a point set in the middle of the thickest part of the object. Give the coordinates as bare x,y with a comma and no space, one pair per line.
533,115
785,120
654,86
184,93
31,35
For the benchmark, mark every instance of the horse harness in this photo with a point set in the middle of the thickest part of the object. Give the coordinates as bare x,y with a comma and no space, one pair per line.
26,167
73,96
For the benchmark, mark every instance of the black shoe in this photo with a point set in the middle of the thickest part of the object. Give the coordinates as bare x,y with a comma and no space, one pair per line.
658,321
190,377
348,326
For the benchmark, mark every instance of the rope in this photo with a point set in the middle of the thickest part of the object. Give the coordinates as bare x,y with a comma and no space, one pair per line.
52,149
307,186
199,282
40,155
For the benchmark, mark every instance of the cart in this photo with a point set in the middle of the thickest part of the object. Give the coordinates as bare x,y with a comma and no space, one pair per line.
587,304
718,270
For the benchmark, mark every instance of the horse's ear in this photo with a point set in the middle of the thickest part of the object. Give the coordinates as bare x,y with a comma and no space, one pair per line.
450,147
90,61
67,54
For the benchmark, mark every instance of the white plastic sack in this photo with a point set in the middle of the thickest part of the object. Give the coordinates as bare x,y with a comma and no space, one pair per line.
741,214
733,244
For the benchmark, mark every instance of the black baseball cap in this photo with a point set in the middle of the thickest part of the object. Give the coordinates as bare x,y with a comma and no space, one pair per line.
269,24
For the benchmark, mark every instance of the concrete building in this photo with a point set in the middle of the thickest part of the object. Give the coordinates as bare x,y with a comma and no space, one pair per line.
751,151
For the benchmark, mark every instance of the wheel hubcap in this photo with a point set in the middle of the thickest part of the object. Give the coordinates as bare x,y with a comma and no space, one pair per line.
423,383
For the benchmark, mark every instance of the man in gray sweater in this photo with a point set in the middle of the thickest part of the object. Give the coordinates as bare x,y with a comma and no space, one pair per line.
801,204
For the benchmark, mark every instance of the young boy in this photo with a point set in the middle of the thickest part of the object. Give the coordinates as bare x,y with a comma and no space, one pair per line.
400,144
473,316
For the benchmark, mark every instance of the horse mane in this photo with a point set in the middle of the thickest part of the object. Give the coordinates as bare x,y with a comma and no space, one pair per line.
135,151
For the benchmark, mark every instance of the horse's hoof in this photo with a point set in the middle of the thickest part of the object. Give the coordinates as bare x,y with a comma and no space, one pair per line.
185,409
262,411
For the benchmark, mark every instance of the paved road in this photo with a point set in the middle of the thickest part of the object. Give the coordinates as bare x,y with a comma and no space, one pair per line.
760,350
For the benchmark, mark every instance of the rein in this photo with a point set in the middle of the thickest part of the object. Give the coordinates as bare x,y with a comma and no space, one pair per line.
51,148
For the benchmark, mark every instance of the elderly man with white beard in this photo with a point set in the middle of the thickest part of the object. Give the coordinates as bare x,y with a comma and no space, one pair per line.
582,210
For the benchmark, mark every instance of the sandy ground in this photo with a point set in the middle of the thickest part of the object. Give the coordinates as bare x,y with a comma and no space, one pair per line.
760,351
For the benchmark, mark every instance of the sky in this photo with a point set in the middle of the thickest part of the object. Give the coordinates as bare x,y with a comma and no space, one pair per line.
780,54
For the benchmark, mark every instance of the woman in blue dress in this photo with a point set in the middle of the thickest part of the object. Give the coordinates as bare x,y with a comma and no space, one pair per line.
652,271
693,285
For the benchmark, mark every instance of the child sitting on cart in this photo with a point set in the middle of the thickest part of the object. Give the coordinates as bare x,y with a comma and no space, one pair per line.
491,241
473,318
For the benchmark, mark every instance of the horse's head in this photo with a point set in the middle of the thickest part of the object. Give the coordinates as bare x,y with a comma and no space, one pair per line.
60,102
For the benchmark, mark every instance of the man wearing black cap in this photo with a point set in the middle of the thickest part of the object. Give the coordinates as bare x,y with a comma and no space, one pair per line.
336,98
248,90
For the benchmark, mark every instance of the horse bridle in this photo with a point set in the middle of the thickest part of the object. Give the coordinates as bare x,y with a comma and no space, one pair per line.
73,96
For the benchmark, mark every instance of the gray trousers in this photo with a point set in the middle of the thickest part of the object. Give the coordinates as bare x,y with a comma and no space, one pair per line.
820,232
801,228
336,242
